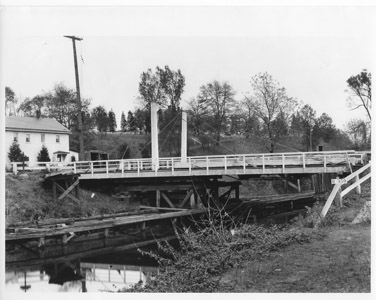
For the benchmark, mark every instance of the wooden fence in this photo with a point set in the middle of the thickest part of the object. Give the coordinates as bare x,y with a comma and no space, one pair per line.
337,189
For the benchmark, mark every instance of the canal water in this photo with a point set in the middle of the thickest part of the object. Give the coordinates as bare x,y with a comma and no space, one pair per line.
105,273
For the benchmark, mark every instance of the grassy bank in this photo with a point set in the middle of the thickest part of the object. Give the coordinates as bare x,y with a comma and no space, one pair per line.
28,200
296,257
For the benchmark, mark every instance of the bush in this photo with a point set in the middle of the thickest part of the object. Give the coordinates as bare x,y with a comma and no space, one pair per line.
43,155
207,253
15,154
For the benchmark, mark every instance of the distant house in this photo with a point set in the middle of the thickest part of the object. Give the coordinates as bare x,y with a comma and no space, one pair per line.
32,133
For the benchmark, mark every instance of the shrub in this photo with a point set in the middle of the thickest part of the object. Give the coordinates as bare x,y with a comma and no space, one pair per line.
15,154
43,155
206,253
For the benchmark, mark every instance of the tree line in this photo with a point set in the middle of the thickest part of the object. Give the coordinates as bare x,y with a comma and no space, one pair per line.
266,113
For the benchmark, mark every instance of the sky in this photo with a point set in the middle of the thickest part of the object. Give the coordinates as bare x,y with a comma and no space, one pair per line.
311,51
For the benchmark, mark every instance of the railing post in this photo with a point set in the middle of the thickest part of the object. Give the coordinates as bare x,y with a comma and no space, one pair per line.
92,169
122,167
225,164
324,162
303,161
138,168
263,163
172,166
74,167
107,167
207,165
244,166
283,163
190,166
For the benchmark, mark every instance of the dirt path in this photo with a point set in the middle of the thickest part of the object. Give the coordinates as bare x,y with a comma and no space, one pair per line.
340,262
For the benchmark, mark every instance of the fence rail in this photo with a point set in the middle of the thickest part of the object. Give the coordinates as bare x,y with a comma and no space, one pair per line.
337,189
260,163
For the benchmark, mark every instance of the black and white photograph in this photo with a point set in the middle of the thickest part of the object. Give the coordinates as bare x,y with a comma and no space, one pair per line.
191,148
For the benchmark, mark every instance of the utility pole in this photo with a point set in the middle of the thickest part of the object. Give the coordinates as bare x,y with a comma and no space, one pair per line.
80,133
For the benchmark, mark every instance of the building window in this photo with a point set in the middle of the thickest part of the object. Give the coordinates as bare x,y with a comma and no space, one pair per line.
27,138
57,138
15,137
42,137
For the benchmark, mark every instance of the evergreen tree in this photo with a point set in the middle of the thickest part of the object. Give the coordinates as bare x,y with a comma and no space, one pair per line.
123,122
43,155
112,121
15,154
131,121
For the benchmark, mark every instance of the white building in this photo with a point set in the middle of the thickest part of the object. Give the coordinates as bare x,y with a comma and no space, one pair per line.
32,133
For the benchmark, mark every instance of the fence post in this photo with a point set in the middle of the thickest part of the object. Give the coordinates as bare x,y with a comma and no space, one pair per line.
14,165
358,189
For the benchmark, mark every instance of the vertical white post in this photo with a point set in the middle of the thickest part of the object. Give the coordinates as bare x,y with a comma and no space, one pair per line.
183,153
14,165
358,189
190,166
263,163
154,135
303,161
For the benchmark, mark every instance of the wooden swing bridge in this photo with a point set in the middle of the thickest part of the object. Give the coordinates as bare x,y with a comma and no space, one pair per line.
173,188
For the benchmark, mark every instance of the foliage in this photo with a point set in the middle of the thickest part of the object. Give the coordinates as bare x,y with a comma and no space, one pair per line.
172,83
206,252
112,121
216,99
15,154
10,102
359,132
100,117
272,107
123,122
360,90
60,103
132,121
43,155
164,87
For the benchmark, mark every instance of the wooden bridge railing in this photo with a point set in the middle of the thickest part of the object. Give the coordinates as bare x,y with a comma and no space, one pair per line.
337,189
216,164
209,165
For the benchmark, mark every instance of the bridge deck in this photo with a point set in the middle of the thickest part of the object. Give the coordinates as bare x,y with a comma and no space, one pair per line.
244,164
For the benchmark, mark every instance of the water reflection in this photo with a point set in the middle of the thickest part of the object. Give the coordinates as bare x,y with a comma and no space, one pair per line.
108,273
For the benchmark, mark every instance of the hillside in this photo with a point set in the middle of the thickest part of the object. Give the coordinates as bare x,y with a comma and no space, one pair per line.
113,144
28,200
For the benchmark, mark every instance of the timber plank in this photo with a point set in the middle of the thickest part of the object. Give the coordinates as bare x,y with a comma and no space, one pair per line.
97,224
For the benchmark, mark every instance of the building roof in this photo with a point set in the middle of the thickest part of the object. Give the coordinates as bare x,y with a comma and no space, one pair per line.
27,124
